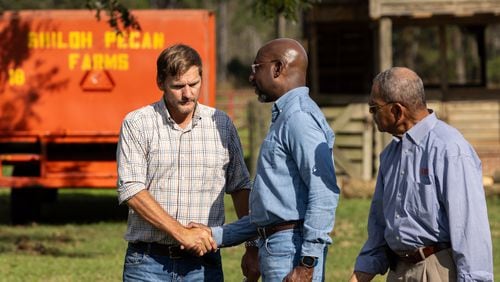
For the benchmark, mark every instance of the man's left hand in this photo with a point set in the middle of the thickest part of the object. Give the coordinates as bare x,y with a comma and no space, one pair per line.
300,274
250,264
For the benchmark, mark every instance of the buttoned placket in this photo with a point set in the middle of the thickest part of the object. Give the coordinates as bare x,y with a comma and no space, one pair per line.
400,180
182,158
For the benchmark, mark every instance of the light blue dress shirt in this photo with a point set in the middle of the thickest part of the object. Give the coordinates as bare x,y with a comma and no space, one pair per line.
295,177
429,189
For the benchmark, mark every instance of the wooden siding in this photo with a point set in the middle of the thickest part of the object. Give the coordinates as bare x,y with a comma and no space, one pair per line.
428,8
353,149
479,122
358,143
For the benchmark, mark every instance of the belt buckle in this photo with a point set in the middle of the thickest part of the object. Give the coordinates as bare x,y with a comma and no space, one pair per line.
404,254
262,232
174,252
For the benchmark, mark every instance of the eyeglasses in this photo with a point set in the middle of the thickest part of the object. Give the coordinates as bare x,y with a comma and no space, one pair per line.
255,66
375,108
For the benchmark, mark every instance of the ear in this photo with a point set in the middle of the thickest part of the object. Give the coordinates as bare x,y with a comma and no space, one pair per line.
160,85
398,111
278,69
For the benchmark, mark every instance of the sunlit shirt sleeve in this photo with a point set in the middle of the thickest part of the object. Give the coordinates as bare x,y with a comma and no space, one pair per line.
468,220
373,258
311,151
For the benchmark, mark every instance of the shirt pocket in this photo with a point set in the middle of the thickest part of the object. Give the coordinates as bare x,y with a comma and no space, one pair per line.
422,198
212,172
267,158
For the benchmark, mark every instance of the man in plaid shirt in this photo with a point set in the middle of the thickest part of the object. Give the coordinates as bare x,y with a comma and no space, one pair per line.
176,159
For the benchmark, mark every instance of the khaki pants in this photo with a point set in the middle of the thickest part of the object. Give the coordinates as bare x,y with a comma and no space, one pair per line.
438,267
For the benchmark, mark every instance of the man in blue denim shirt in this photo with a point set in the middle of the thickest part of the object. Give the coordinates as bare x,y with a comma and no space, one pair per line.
428,218
295,194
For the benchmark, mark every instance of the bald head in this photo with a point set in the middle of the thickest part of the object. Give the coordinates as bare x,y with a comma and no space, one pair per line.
291,55
402,85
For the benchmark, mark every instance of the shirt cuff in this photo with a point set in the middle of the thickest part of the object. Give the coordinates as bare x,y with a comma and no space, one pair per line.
312,249
217,232
371,265
127,192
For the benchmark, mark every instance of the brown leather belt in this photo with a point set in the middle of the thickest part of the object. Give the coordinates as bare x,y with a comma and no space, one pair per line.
266,231
172,251
421,254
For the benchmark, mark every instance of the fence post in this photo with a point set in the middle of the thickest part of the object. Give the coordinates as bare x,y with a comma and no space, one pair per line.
259,119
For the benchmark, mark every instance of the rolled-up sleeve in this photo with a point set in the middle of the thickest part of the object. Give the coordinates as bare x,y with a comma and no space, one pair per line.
131,161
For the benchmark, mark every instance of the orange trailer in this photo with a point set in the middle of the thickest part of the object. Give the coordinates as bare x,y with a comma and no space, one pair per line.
66,82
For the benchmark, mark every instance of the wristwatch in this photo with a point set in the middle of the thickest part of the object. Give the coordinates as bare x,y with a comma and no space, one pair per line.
308,261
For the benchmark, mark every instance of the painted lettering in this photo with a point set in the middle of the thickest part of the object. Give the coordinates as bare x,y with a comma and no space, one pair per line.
16,77
58,40
134,40
98,61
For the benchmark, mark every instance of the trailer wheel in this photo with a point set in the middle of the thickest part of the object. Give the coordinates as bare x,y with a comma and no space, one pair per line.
25,206
26,203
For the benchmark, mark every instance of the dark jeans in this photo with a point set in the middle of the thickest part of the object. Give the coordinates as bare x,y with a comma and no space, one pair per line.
143,266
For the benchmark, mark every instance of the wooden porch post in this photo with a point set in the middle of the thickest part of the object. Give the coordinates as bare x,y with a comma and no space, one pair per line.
385,43
443,46
313,56
384,62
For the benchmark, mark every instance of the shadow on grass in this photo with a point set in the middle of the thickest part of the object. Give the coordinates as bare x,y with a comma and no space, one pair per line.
47,245
77,206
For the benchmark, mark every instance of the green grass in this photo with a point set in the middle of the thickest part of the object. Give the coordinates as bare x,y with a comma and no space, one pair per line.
80,238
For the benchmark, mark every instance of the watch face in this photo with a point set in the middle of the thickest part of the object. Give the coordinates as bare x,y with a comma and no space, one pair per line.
308,261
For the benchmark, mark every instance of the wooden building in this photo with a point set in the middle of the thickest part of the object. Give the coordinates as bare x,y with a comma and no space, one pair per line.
350,41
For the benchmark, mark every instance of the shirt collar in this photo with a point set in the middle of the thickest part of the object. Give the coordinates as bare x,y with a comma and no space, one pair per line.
284,100
420,130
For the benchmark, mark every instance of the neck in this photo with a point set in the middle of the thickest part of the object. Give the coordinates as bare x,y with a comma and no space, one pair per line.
181,119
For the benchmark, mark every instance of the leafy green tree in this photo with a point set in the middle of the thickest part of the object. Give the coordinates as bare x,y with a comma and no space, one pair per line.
281,10
119,16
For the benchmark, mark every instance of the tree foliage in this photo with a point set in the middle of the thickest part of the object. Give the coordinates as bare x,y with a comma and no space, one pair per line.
288,8
119,16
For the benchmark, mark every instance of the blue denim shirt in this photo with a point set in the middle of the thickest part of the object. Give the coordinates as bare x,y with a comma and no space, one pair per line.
295,177
429,189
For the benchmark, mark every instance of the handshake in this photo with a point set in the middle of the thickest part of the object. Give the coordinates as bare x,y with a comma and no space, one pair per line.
196,238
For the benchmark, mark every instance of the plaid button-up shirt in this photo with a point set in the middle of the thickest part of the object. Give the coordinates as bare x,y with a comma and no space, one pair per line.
186,170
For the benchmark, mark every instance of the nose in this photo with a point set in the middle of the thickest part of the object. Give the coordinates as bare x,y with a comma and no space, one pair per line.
251,77
186,91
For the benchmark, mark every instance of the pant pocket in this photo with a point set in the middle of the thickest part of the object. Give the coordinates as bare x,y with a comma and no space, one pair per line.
134,257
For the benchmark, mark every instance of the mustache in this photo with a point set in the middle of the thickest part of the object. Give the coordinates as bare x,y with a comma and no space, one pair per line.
187,100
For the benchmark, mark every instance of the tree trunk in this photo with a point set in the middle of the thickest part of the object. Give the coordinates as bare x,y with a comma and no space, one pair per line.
459,55
280,23
222,32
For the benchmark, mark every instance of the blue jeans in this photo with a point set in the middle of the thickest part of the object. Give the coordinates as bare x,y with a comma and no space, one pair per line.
280,253
141,266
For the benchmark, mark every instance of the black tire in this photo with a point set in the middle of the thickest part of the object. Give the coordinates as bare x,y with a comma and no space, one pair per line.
26,202
25,205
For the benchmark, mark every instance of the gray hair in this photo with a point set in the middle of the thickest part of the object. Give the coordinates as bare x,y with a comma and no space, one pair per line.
401,85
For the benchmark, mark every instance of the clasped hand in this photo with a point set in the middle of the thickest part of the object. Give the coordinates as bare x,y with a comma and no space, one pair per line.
197,239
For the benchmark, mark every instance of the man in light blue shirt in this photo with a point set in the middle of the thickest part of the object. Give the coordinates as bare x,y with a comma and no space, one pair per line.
295,194
428,219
